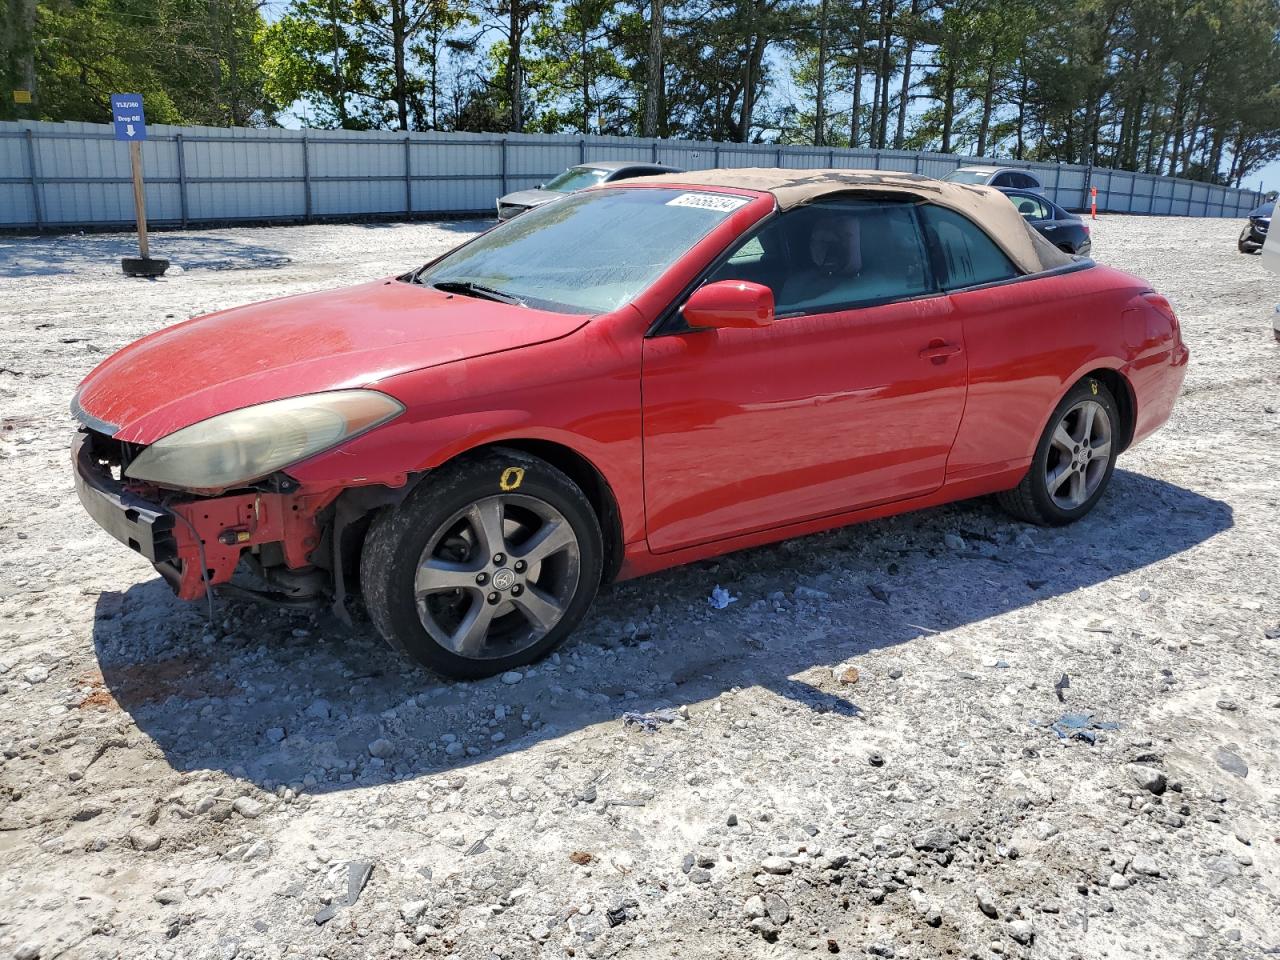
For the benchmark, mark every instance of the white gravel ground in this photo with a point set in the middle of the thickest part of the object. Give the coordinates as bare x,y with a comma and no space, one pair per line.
171,788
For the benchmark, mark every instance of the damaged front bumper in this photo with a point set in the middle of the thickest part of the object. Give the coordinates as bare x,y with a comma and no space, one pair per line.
197,543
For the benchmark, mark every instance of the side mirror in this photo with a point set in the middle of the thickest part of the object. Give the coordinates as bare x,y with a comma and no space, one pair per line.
729,303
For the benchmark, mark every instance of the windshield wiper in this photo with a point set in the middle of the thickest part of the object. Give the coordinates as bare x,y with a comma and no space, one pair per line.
472,289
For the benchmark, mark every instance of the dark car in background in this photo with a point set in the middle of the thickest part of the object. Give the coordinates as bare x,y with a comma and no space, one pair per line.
577,178
1063,229
1254,234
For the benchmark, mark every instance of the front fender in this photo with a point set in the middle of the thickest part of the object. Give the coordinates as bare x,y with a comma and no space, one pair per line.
581,392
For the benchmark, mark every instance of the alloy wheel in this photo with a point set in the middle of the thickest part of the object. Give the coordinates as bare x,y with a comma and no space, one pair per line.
497,576
1079,452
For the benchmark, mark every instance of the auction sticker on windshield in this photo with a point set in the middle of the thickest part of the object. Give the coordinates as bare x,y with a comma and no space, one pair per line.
709,201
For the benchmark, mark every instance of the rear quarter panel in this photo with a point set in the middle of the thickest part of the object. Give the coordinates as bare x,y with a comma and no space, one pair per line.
1030,341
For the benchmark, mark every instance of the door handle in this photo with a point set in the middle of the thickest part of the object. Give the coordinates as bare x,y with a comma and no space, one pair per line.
939,350
1050,226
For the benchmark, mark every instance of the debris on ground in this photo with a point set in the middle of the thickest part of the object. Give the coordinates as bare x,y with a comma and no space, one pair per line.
651,720
1080,725
721,598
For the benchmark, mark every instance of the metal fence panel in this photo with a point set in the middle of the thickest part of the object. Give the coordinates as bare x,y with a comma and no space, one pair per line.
76,174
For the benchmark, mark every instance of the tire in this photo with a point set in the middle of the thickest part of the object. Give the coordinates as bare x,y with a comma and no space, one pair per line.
1245,244
1089,406
431,587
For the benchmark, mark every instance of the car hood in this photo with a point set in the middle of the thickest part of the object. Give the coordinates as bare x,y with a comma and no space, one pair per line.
1263,211
266,351
530,198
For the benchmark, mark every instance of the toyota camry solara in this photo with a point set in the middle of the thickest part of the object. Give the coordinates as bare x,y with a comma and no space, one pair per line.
619,381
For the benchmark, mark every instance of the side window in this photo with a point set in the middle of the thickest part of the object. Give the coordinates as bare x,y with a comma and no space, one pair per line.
964,255
834,255
751,252
1031,207
1028,181
1003,180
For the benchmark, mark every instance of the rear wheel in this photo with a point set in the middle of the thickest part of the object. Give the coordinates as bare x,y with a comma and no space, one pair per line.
1245,244
486,566
1074,460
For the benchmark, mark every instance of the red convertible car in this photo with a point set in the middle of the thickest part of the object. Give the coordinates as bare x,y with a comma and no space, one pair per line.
625,379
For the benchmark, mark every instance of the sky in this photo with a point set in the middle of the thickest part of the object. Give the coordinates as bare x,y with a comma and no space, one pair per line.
1269,175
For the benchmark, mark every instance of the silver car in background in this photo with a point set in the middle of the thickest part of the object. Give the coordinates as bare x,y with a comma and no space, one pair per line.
577,178
996,177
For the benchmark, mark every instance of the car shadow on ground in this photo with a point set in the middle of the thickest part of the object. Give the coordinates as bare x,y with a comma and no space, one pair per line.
465,225
48,256
275,698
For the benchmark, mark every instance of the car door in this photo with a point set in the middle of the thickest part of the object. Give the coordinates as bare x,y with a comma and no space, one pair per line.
1007,320
851,397
1036,211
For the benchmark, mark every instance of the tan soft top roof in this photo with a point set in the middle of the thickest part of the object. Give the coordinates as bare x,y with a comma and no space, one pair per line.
986,206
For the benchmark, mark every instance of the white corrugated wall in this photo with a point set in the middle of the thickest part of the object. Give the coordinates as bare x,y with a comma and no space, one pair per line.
63,175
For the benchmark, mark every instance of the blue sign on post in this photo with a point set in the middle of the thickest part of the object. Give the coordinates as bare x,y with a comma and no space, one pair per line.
127,116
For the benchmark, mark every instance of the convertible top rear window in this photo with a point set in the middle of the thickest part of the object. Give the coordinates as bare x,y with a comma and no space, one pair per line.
590,252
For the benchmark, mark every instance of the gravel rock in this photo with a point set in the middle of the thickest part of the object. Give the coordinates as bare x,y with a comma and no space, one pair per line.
28,950
1145,865
1231,762
935,839
778,909
754,908
140,838
88,812
1021,931
37,674
512,677
987,902
776,865
1118,881
1148,778
382,748
248,807
810,593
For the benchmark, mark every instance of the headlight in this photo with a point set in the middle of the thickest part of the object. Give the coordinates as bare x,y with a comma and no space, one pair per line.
234,448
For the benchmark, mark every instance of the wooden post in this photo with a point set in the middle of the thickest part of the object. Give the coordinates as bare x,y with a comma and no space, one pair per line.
139,198
143,265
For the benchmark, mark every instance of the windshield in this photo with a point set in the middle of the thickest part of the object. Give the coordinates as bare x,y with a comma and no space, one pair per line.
585,253
576,178
969,176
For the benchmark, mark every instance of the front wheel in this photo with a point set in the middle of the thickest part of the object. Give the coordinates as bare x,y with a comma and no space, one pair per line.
487,565
1074,460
